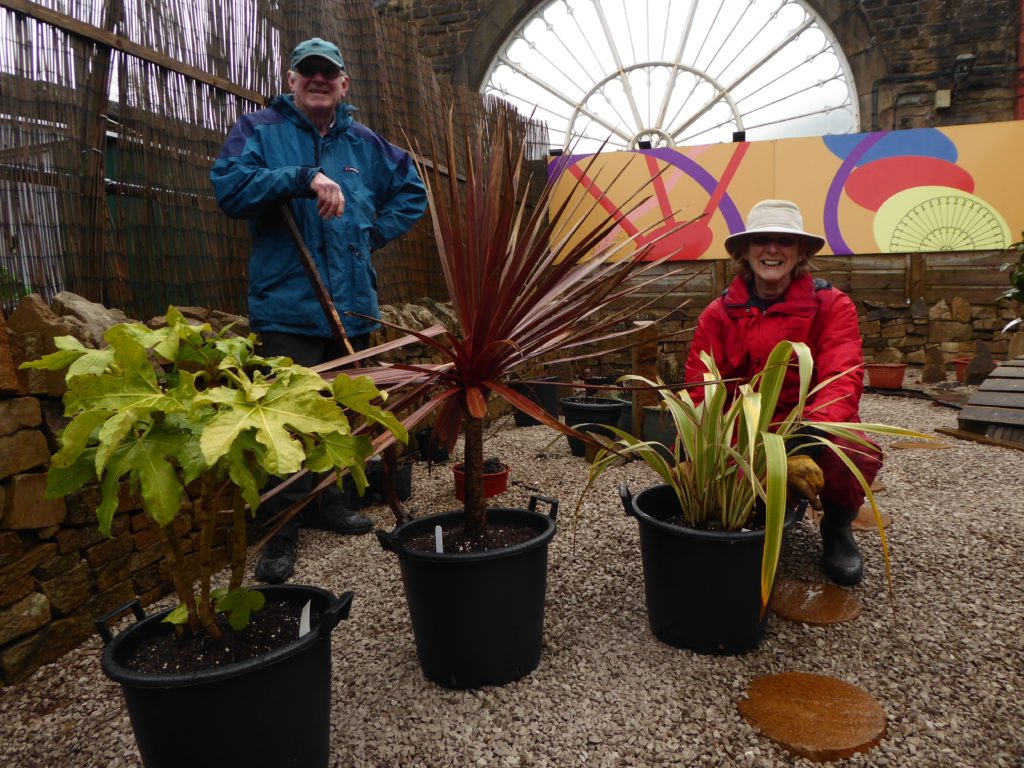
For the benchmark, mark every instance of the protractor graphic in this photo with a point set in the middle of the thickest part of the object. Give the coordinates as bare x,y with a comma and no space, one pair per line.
937,219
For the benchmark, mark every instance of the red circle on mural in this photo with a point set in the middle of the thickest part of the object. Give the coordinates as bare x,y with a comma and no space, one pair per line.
872,184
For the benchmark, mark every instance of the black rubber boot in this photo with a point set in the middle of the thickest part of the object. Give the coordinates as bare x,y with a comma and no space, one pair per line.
337,519
840,556
277,561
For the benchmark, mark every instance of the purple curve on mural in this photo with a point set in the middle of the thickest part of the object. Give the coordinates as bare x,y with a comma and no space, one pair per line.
833,234
707,182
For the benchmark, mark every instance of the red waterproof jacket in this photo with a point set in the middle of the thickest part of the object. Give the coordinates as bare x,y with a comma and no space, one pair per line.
740,337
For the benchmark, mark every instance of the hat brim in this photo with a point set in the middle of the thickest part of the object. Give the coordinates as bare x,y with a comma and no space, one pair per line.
733,242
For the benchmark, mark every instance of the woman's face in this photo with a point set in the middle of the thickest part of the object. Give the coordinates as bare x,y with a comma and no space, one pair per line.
772,258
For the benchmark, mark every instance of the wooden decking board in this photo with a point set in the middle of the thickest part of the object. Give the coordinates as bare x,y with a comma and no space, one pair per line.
997,407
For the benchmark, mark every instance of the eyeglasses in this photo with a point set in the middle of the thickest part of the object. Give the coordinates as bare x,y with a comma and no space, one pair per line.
311,68
781,241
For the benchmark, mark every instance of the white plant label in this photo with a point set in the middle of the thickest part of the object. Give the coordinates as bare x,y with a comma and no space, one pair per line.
304,619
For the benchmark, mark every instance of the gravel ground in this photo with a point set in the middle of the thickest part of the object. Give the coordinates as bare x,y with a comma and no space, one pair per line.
948,669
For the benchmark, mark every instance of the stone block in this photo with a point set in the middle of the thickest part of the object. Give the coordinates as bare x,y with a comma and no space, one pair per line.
917,357
145,579
53,421
26,505
113,573
32,346
58,637
139,560
147,539
949,330
870,327
81,506
9,381
56,566
960,310
895,331
109,550
74,539
19,413
940,311
22,451
23,617
11,547
17,590
70,590
88,319
25,564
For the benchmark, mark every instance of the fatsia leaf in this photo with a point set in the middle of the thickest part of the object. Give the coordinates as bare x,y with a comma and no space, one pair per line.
178,616
245,472
239,604
278,419
69,477
357,394
337,451
145,459
76,435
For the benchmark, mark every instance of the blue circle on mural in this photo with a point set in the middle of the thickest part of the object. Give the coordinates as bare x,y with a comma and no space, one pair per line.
919,142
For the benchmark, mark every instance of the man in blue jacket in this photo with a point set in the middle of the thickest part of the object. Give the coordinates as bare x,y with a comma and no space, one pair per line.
350,192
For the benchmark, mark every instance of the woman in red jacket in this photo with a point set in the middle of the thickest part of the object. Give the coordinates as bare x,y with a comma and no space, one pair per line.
774,298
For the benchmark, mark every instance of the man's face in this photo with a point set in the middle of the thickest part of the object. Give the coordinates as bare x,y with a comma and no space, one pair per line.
318,85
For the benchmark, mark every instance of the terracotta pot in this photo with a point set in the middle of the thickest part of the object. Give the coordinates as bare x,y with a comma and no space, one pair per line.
960,364
886,375
494,482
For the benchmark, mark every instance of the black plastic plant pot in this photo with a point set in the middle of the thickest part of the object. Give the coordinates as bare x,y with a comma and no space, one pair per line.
659,426
478,617
593,413
541,392
265,712
703,587
436,455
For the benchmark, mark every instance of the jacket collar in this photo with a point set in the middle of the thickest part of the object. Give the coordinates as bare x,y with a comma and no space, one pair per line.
285,104
799,296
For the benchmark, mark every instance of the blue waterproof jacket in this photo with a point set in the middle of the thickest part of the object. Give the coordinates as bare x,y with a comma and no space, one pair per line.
271,156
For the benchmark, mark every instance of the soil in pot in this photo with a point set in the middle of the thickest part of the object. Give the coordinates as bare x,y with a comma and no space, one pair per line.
272,627
454,538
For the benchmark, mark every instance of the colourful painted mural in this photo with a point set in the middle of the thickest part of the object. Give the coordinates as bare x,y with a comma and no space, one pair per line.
924,190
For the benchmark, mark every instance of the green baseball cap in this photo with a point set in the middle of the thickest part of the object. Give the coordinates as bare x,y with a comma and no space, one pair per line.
316,47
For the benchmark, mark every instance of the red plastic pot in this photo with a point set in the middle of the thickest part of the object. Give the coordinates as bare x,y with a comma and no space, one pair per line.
494,482
961,363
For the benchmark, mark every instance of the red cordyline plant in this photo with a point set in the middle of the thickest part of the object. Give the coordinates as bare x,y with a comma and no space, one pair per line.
524,283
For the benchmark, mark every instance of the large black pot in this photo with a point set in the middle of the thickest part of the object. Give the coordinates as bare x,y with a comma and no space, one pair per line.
595,412
542,392
478,617
264,712
703,587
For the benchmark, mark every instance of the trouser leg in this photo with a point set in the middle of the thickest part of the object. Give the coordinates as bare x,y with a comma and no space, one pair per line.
841,500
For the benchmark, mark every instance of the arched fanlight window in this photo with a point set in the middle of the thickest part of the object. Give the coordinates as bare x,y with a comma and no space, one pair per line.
675,72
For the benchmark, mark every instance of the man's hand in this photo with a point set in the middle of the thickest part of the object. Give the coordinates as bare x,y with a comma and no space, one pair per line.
805,479
330,202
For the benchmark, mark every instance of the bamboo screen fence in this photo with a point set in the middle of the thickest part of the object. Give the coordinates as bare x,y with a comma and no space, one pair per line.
112,112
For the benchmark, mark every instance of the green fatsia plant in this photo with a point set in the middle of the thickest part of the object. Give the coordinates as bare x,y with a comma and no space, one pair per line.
730,452
188,417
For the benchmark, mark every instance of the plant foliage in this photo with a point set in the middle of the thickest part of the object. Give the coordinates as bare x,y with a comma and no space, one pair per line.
525,282
731,453
1016,290
180,414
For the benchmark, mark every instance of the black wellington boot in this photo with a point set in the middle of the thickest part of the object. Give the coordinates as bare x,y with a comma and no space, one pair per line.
840,557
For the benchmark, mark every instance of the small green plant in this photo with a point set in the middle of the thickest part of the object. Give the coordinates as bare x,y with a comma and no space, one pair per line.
729,453
12,288
187,416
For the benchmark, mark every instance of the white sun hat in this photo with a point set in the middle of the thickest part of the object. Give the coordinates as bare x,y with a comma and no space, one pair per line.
780,217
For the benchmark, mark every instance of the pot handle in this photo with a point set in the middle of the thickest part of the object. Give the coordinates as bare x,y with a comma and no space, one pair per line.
552,503
388,541
334,613
101,623
627,500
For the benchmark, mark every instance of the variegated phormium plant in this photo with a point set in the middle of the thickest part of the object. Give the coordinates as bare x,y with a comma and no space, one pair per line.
730,452
184,414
